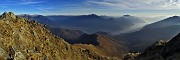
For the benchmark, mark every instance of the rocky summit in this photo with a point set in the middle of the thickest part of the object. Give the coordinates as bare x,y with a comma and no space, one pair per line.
21,39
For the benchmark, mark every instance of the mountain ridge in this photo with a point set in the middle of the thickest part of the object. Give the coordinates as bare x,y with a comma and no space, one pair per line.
102,42
21,39
161,30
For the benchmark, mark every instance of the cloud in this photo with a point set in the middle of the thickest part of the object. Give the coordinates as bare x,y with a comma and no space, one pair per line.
137,4
21,2
29,2
1,6
45,9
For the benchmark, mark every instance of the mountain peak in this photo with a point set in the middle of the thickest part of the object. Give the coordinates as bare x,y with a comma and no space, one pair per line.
126,15
93,14
160,42
8,15
173,17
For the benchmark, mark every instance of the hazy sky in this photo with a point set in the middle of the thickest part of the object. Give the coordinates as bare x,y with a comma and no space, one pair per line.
101,7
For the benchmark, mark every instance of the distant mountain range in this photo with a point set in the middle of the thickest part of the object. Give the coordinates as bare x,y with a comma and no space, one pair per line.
87,23
39,18
161,30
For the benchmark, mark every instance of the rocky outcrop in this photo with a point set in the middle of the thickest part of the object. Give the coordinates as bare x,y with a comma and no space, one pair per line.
21,39
8,15
131,56
154,51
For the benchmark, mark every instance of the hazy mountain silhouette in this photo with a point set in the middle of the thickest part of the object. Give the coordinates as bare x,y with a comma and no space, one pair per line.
88,23
94,23
161,30
174,20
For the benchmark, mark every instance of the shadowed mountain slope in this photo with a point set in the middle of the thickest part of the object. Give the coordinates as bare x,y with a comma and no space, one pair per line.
100,42
104,45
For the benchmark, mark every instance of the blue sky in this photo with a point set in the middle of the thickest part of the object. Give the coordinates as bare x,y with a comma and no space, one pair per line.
100,7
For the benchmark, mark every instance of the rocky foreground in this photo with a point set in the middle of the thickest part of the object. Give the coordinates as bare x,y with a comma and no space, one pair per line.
21,39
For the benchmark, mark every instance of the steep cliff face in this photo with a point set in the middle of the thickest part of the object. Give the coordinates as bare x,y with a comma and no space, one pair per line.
21,39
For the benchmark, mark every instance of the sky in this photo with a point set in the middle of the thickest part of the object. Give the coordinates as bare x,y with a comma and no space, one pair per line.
100,7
